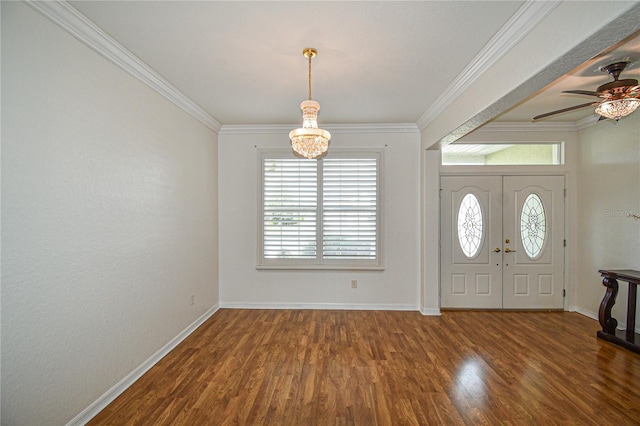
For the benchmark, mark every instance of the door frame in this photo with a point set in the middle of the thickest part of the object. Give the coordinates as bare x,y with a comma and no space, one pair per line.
569,200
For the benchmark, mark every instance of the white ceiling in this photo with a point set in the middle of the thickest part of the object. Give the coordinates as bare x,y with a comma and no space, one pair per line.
384,62
378,62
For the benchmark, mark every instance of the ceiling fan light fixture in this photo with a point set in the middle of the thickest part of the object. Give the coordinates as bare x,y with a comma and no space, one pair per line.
309,141
616,109
619,97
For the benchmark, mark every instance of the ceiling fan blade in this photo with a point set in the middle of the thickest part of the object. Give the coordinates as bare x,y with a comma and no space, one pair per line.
537,117
583,92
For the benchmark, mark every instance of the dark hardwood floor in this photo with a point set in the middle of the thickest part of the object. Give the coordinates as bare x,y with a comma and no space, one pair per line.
312,367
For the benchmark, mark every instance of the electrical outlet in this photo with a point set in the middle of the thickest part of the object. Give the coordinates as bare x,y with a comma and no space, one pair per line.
354,283
193,299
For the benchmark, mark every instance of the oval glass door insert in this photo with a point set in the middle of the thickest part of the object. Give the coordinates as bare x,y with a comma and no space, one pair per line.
533,225
470,225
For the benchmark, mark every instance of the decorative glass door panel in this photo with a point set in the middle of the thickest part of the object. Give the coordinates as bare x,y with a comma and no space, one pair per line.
533,226
470,225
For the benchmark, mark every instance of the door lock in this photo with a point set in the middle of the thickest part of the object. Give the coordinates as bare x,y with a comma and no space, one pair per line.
496,250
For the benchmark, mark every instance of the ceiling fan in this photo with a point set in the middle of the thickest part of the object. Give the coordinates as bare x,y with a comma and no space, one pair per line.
619,97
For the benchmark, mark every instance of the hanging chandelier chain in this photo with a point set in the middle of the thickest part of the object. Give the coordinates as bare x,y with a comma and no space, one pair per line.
309,53
310,76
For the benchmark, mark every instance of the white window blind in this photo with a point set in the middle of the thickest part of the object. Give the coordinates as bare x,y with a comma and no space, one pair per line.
349,208
290,200
320,213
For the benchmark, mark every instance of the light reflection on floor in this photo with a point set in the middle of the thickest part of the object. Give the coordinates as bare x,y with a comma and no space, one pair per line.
472,392
470,384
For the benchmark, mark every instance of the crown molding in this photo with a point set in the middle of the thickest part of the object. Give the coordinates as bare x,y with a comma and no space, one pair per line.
589,121
617,29
530,14
239,129
373,128
75,23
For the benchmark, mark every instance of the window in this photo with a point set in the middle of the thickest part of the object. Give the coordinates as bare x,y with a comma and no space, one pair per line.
503,154
320,214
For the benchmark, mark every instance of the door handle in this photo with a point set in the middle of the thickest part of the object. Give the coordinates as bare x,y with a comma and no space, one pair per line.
496,250
508,250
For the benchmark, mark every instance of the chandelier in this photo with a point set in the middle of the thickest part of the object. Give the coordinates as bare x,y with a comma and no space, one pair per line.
616,109
310,141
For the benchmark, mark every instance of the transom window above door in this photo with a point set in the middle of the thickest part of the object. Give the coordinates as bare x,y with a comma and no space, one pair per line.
502,154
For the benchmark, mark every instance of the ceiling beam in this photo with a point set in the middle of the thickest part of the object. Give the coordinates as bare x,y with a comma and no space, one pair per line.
570,48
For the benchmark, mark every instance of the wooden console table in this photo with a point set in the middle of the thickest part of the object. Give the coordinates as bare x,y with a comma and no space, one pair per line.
627,338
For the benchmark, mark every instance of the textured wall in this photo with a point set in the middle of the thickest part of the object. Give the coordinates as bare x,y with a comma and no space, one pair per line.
109,204
609,176
395,287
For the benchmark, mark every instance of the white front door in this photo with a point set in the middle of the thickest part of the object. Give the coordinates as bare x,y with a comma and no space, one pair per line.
533,222
471,230
502,242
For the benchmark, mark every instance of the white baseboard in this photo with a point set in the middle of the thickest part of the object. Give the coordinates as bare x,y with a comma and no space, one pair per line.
431,312
584,312
622,325
336,306
92,410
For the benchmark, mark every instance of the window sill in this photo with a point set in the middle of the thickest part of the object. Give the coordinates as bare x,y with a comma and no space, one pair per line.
319,268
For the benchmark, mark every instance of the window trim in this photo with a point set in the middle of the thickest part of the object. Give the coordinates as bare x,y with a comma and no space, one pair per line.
320,263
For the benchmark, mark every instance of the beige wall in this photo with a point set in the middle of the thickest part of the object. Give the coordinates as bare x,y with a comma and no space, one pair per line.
242,285
109,222
609,189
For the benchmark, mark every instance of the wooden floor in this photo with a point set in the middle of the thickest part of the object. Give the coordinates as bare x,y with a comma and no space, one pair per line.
309,367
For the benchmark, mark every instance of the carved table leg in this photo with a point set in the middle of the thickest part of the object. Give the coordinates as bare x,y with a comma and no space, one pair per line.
631,313
608,323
